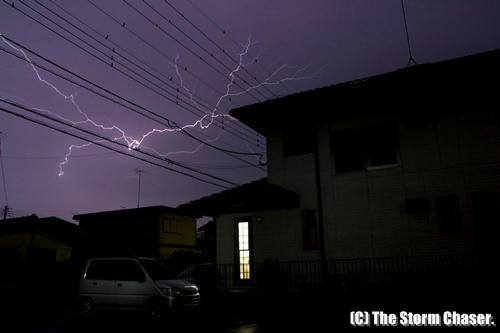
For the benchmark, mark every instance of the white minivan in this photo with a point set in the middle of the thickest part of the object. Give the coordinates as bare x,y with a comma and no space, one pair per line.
134,284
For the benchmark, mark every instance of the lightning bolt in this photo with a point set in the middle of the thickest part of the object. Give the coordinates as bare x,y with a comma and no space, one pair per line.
137,143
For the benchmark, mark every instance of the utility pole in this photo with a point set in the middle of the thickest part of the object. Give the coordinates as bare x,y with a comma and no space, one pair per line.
139,171
6,208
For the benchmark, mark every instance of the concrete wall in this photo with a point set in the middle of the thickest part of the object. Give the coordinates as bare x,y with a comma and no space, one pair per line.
277,235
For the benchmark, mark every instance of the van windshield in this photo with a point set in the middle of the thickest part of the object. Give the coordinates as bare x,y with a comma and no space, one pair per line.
157,270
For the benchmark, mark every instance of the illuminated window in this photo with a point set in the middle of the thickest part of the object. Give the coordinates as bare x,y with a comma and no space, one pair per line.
244,250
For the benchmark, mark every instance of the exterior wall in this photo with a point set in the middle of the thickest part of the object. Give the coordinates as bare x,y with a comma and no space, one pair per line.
277,235
296,173
156,235
23,241
364,211
175,233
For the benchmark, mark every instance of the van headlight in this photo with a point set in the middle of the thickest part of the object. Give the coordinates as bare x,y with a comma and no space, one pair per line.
172,291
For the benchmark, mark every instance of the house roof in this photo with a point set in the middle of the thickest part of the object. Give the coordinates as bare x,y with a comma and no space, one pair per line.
151,210
255,196
441,85
54,226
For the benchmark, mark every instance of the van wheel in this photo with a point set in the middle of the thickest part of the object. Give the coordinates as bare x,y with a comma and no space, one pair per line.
86,308
157,311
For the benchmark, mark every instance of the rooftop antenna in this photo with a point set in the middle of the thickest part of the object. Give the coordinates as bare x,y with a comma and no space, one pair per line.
411,60
139,171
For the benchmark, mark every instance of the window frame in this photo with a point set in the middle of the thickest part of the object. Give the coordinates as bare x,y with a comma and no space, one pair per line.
110,273
237,221
363,134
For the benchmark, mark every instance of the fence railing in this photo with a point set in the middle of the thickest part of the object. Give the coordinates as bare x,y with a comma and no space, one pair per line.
343,273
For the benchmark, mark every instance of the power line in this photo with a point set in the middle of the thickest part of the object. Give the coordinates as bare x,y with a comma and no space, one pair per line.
224,32
163,159
161,53
107,147
104,96
170,123
114,51
136,35
53,157
95,56
211,40
204,49
58,157
184,46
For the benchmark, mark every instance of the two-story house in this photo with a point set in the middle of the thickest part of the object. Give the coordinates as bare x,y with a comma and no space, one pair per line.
403,164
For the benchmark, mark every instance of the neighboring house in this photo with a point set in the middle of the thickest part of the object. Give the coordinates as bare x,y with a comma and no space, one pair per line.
205,240
32,242
207,231
395,165
156,231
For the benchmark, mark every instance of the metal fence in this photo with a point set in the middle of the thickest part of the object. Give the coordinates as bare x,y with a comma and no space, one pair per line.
344,273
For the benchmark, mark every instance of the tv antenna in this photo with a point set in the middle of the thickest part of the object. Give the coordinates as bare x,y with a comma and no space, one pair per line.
140,172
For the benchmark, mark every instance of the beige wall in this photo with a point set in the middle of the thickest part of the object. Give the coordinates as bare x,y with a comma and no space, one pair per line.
364,211
277,235
176,233
177,229
22,241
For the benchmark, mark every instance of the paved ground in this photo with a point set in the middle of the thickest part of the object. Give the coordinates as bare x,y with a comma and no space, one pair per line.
233,312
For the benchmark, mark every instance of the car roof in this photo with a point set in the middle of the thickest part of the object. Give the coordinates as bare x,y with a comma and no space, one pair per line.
113,258
147,258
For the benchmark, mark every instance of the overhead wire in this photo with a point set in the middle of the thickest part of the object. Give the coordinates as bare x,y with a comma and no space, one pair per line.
187,48
170,123
211,54
101,137
110,148
223,50
228,36
179,89
136,35
154,48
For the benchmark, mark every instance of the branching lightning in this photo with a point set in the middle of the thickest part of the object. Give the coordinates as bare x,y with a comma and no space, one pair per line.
138,143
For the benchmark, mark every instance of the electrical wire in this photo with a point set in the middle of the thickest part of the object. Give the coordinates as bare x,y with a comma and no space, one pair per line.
217,59
224,32
212,41
103,61
170,123
114,51
113,149
184,46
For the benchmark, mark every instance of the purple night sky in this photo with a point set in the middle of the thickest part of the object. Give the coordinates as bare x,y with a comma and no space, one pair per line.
323,42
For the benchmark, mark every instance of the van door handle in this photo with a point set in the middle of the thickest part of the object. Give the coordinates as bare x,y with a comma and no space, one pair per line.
119,284
95,283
